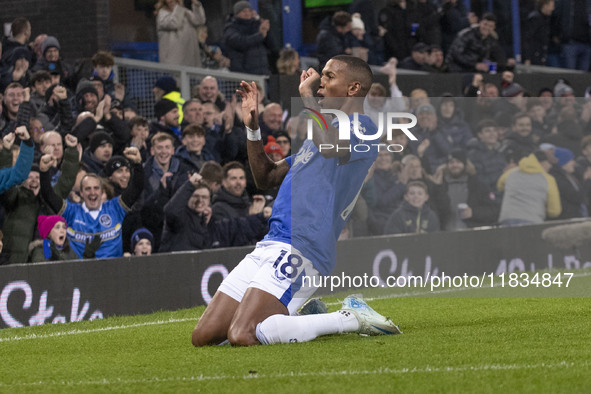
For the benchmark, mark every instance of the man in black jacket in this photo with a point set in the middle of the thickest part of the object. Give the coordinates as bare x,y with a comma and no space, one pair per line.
473,47
331,39
246,41
189,224
232,200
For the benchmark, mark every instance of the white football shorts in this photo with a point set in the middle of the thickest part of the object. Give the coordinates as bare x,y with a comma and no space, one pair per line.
278,269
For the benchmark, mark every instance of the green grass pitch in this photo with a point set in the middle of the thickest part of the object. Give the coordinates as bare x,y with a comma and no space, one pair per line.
460,343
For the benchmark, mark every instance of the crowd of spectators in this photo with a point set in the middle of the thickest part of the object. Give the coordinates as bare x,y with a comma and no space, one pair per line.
106,181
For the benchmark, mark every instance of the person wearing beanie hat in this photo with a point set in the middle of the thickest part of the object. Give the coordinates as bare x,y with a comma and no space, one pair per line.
50,61
164,85
118,172
99,151
167,120
562,89
142,242
87,97
177,38
163,107
512,90
564,157
284,141
241,5
273,150
166,88
418,58
247,40
54,245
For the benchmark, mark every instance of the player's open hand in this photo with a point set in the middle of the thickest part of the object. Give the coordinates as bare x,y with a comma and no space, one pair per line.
71,141
133,154
22,133
250,101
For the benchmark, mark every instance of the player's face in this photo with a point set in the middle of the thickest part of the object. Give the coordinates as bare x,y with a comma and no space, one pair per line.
333,83
91,192
235,182
58,233
32,182
199,200
143,248
163,151
416,196
121,177
104,152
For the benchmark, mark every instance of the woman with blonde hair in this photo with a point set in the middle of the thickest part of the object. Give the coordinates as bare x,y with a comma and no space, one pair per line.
177,35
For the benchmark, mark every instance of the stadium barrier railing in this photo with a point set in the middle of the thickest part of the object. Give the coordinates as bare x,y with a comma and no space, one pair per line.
139,77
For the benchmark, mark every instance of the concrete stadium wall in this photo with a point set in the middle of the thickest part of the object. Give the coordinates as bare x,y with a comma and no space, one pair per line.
32,294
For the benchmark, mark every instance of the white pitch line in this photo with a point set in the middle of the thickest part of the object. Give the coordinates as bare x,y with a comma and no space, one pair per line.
380,371
170,321
77,331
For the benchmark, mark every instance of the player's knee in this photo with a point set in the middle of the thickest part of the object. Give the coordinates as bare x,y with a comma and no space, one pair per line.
204,337
241,336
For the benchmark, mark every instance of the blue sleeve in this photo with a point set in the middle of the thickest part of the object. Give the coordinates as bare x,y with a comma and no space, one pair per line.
20,171
289,159
365,150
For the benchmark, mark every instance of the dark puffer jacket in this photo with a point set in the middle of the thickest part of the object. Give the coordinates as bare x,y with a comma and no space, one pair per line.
227,205
469,48
246,47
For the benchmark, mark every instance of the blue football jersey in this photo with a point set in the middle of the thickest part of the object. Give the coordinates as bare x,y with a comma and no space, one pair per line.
82,226
318,195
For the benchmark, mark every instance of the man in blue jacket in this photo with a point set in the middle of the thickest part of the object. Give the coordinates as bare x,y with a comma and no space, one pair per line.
20,171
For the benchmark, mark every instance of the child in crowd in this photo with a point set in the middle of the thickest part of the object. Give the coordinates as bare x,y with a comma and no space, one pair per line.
54,244
413,216
141,242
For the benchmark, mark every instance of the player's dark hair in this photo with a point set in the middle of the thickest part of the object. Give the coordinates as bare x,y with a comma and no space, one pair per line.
358,70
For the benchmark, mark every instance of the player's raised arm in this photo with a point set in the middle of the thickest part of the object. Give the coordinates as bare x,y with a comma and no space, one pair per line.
266,172
311,82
